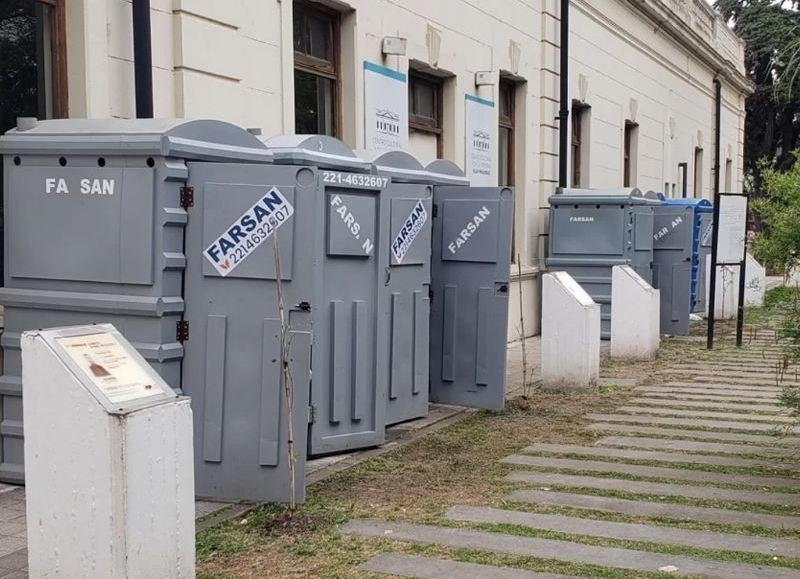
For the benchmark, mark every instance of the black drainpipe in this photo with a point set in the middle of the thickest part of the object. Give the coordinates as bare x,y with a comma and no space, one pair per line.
712,288
717,129
142,59
563,113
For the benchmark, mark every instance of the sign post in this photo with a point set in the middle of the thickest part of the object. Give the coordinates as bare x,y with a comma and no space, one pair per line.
728,247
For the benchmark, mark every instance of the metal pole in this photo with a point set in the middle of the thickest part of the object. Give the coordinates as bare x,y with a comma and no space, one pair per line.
712,294
563,113
142,59
742,276
712,288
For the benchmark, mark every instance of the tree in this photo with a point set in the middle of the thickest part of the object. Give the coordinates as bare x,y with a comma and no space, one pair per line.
778,244
771,32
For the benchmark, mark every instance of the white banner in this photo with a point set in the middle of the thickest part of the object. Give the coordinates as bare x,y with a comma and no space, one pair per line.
481,141
732,228
385,108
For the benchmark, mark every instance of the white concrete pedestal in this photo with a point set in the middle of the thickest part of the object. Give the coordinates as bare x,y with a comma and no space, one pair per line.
108,460
570,334
635,315
755,285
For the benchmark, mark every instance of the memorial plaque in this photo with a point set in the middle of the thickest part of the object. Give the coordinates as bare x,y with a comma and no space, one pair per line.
110,367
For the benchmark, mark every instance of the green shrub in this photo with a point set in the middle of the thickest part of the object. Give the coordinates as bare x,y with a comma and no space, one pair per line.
778,244
780,297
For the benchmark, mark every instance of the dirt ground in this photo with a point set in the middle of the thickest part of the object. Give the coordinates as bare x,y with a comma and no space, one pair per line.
455,466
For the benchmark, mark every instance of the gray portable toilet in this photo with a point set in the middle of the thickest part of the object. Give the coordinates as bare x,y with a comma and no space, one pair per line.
110,221
470,271
349,260
706,231
592,230
675,232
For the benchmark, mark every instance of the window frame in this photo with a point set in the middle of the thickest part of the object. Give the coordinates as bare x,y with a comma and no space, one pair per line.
577,121
58,27
697,177
330,69
629,132
424,124
508,122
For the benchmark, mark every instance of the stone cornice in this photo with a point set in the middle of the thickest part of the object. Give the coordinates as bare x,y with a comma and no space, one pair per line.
665,14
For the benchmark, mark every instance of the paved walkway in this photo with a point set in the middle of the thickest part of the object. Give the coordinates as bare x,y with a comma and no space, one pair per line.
13,537
695,475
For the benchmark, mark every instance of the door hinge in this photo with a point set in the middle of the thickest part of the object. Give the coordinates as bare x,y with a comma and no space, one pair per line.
430,294
312,414
187,197
181,331
435,210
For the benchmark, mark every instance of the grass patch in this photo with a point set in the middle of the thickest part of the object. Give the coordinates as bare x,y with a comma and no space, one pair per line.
780,297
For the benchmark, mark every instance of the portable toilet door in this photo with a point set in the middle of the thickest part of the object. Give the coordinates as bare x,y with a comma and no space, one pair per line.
404,291
350,259
241,216
674,233
470,276
703,253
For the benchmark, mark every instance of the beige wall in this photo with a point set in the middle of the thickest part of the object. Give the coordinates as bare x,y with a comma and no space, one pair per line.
234,60
627,66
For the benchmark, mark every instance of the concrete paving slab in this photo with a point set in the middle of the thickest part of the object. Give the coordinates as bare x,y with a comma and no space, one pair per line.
664,510
607,381
605,451
691,422
770,366
710,435
698,413
698,446
756,371
558,550
730,361
628,531
733,378
712,387
15,561
708,404
651,471
401,565
655,488
693,395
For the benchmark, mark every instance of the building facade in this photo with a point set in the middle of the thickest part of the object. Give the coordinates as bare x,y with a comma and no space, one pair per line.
641,83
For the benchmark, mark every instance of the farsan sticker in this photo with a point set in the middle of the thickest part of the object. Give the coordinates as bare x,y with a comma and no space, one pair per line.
409,231
248,232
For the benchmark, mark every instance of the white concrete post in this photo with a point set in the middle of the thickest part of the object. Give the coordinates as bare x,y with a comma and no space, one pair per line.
108,460
635,315
570,334
755,284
